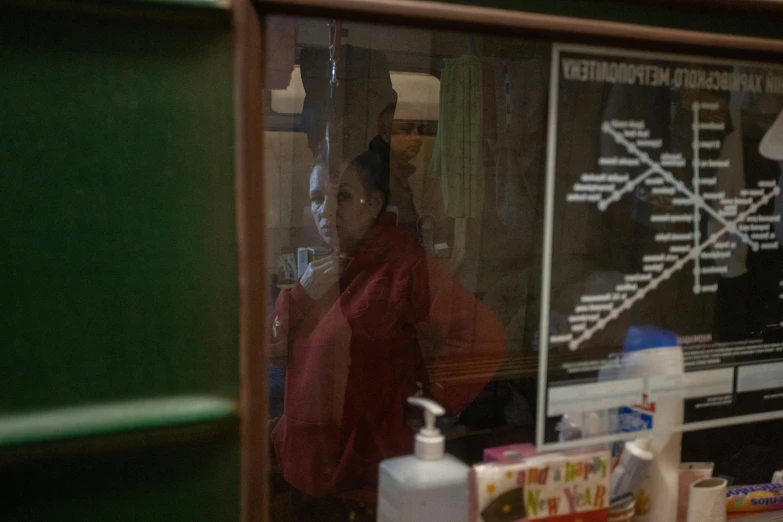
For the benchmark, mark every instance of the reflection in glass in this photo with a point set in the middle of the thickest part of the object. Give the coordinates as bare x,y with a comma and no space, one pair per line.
407,193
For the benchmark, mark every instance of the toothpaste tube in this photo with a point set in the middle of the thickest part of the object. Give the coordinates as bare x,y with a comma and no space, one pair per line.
761,497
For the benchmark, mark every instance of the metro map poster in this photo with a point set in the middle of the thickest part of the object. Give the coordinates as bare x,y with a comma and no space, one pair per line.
663,213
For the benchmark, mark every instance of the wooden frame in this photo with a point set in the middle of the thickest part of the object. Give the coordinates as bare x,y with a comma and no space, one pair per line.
734,6
249,114
249,157
478,19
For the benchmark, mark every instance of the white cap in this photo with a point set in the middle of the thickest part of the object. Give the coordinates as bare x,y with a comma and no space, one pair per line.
640,448
643,443
430,444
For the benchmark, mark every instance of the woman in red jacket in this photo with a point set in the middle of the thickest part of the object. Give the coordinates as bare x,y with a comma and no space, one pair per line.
363,330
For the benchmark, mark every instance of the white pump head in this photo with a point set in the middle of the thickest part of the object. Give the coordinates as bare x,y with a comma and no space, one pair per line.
429,441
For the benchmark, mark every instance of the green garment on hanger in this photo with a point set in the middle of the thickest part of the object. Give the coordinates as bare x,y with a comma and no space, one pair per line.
458,157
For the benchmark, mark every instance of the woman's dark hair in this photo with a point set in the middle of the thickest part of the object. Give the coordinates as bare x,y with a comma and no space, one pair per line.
373,172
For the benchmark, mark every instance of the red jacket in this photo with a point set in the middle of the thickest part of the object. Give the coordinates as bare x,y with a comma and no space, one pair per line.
354,358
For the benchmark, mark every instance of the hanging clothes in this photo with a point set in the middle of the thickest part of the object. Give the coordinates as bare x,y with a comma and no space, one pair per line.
520,102
280,47
771,147
731,181
490,113
458,156
365,89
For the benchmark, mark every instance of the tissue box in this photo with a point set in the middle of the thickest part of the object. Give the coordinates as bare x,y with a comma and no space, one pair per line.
510,453
552,488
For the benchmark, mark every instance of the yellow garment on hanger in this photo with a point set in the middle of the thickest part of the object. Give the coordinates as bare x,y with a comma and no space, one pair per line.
458,157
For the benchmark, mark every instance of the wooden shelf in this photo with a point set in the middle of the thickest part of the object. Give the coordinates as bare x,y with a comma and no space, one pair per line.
114,417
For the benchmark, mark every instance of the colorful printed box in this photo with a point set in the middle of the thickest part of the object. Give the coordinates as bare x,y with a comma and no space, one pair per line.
547,488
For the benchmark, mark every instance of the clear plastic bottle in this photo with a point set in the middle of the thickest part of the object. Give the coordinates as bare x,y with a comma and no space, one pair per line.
430,486
650,352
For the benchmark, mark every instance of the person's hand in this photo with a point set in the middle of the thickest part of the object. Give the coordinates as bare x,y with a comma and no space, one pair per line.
320,276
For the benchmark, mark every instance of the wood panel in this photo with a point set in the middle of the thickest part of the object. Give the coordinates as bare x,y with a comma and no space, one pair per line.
249,114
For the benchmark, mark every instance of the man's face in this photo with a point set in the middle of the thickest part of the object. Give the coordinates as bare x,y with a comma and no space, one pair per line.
406,133
406,139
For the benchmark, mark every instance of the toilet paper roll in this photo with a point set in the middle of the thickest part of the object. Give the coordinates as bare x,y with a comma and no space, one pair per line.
707,501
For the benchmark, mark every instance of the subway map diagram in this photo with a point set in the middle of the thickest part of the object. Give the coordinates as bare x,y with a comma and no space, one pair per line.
643,162
664,198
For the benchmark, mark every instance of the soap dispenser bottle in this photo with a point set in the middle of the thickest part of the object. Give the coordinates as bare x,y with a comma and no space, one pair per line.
430,486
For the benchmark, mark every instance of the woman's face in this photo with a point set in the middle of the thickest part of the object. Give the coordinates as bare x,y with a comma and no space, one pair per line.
343,212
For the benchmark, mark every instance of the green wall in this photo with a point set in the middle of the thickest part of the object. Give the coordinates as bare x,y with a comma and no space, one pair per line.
117,238
117,254
196,480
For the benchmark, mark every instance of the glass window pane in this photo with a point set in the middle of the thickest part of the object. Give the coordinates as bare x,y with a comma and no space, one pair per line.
404,265
436,199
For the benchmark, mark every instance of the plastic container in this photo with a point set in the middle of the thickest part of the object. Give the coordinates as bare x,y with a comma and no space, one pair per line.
632,468
649,352
430,486
690,472
624,514
511,452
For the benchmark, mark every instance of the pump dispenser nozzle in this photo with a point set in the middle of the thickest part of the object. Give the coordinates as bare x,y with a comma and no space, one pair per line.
429,441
